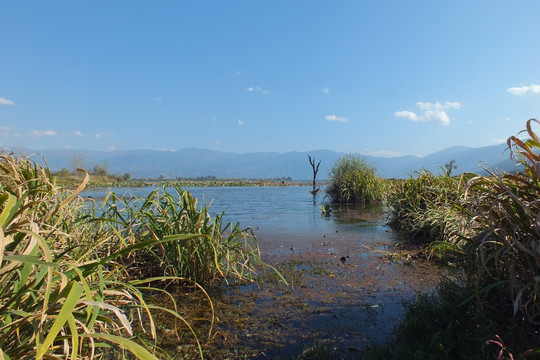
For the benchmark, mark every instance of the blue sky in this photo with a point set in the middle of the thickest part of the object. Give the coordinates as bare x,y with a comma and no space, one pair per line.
374,77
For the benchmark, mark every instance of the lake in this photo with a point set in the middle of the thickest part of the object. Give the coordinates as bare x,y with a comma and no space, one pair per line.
282,216
346,286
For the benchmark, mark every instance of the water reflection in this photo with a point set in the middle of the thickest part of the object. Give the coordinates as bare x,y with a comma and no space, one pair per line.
281,217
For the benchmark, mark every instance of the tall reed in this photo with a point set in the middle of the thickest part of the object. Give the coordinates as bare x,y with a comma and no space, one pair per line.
353,180
430,209
507,219
63,293
218,251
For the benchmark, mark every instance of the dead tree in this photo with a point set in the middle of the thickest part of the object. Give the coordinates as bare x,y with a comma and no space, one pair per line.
315,170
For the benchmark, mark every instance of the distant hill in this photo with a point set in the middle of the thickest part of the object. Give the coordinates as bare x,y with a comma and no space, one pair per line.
192,162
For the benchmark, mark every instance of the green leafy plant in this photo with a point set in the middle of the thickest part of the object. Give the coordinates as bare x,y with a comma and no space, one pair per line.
506,255
353,180
63,291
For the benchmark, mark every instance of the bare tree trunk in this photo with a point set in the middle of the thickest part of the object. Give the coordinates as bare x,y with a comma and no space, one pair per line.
315,170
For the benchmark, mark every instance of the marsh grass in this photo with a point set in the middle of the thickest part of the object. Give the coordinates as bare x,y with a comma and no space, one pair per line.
430,209
435,327
353,180
219,251
80,282
506,258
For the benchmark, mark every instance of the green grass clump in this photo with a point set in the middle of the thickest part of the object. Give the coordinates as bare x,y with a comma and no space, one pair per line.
218,251
430,209
506,249
353,180
81,282
445,325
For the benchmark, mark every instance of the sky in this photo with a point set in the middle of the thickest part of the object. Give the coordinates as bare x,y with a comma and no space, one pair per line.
383,78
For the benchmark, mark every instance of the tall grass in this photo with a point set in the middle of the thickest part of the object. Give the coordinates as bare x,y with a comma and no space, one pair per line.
76,282
429,208
353,180
219,251
507,246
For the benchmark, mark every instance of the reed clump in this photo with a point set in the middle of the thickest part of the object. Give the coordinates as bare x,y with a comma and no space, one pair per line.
429,208
493,220
352,180
75,280
217,251
506,248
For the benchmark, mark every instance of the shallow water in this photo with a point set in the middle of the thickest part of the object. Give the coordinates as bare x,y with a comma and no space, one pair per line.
281,216
344,287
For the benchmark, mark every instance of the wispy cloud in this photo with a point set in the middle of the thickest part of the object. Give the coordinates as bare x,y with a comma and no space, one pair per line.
237,73
499,141
39,133
102,135
240,122
4,101
430,112
79,134
336,118
532,89
259,89
326,90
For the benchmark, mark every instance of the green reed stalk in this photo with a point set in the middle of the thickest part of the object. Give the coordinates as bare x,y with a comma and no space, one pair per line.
63,287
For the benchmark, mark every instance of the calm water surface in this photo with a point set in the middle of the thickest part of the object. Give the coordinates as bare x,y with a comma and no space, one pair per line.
281,217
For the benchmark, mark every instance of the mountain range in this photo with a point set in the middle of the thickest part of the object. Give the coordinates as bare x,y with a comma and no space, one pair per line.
192,162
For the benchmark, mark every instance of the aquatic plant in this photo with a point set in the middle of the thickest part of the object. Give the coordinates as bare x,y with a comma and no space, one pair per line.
353,180
219,251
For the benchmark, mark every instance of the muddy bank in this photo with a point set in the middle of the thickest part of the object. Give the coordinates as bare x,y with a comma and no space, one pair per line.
347,289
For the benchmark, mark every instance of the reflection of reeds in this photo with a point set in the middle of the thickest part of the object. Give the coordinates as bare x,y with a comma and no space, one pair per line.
74,281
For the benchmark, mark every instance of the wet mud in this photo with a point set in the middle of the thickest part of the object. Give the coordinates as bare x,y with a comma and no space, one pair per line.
347,289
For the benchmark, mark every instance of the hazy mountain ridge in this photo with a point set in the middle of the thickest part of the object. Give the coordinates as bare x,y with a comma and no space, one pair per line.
192,162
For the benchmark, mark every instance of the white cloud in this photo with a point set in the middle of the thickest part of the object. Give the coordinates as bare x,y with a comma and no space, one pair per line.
532,89
217,142
240,122
407,115
79,134
4,101
111,148
159,99
259,89
336,118
37,133
237,73
326,90
430,112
